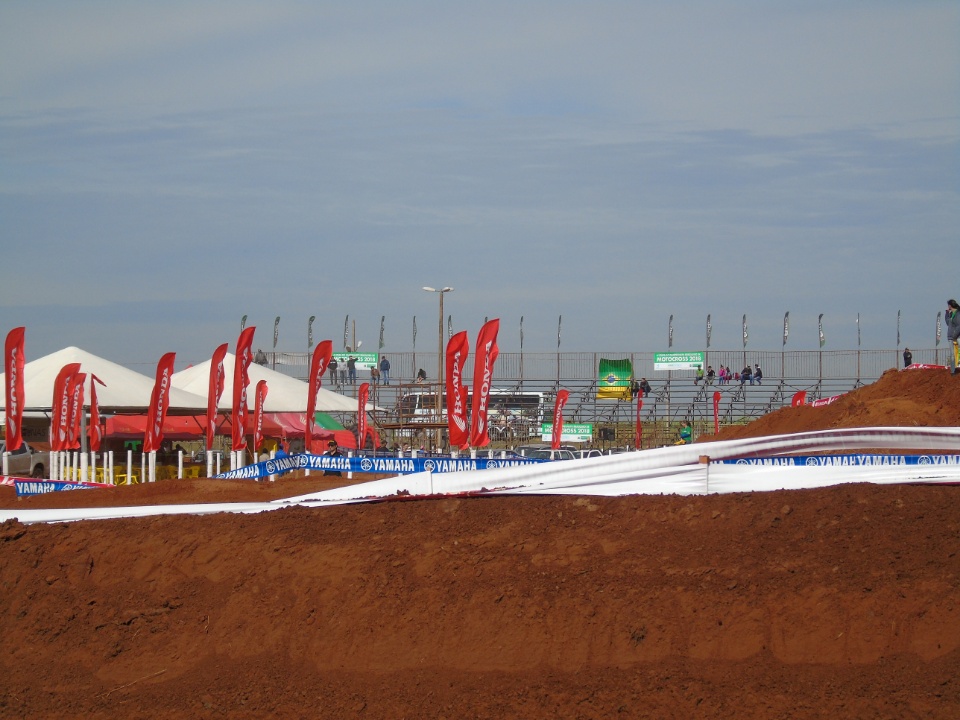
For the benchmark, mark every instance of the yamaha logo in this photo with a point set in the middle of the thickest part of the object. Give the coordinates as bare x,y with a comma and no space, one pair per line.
492,464
429,465
924,460
811,461
271,467
366,464
741,461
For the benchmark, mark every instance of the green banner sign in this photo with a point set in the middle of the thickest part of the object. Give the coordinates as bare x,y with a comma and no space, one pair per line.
677,361
572,432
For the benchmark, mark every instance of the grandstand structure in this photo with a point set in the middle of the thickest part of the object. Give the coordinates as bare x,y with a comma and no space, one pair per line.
675,397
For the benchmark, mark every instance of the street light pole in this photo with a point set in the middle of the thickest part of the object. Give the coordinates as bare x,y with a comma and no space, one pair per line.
439,397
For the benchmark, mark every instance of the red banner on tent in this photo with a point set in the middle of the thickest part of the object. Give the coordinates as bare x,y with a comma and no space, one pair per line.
562,397
14,361
486,356
799,398
716,412
59,423
95,432
75,391
159,402
457,422
638,439
241,378
362,396
261,395
215,391
318,366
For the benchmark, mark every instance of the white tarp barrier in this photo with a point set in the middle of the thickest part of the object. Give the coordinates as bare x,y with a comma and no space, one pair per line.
673,470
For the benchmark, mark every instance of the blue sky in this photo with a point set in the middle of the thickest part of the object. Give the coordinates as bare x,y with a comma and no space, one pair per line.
166,168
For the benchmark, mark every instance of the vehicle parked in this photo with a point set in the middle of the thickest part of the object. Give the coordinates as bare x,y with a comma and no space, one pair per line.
25,461
545,452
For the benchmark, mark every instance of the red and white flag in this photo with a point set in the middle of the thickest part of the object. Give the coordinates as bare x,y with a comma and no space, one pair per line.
241,379
318,366
562,397
75,391
215,392
261,395
362,396
59,423
486,356
799,398
457,422
14,361
159,403
95,432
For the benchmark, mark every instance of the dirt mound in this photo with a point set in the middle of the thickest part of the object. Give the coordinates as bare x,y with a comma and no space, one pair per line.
836,602
910,398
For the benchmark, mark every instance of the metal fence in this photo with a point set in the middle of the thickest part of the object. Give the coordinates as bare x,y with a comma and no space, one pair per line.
675,397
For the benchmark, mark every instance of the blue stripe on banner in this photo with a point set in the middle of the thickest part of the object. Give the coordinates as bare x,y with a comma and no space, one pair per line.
846,460
362,464
39,487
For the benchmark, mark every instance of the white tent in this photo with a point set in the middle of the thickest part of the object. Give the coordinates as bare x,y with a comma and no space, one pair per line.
125,391
284,393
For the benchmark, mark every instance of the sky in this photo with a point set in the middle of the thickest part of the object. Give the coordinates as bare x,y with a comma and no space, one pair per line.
167,168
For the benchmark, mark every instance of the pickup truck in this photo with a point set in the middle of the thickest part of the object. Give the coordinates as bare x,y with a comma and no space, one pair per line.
24,461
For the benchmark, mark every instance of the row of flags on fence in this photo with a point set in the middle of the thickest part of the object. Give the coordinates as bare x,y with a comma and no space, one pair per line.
68,395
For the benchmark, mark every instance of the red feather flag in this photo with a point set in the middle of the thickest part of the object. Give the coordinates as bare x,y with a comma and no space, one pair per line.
457,421
638,440
59,423
716,412
215,391
95,432
14,359
486,356
75,392
318,366
261,395
159,403
362,396
562,397
241,378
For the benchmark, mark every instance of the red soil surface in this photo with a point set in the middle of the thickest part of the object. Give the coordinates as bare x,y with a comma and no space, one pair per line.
837,602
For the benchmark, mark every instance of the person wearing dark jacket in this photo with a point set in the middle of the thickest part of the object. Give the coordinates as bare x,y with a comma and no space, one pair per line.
757,375
952,319
907,357
746,374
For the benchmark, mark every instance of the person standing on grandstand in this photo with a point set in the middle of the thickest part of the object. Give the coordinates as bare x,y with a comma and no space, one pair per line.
952,319
907,357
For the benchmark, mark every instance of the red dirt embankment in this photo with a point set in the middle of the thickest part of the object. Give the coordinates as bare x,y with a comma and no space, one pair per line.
837,602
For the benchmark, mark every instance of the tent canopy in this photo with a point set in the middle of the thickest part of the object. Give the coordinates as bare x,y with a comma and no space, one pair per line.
284,393
125,391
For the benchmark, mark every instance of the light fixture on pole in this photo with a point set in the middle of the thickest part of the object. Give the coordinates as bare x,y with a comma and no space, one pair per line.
439,394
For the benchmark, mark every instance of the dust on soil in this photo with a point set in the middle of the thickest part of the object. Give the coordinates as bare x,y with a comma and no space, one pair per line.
835,602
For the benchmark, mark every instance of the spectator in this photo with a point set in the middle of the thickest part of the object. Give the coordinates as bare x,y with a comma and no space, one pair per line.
332,370
343,373
352,369
952,319
722,376
333,450
374,375
907,357
421,375
710,374
645,387
745,375
385,370
699,377
757,375
686,434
